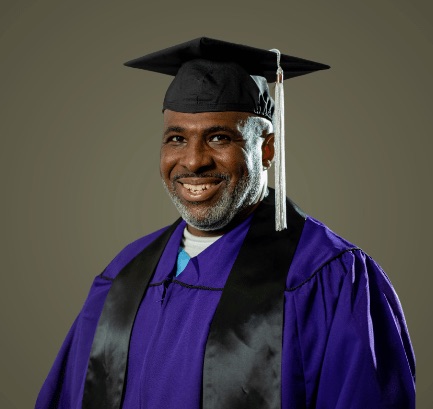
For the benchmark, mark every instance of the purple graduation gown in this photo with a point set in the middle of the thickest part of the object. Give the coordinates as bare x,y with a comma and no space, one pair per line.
345,342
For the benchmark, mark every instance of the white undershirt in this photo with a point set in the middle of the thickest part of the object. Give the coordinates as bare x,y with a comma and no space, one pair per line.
194,245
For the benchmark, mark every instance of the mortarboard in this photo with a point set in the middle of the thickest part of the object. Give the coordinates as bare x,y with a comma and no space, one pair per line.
213,75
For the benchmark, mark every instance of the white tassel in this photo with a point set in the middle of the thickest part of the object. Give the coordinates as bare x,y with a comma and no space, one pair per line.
280,157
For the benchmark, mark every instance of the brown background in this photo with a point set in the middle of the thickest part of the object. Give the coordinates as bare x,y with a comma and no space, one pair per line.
80,138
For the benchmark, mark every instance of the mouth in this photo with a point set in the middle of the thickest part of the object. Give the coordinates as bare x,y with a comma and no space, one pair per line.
198,189
195,189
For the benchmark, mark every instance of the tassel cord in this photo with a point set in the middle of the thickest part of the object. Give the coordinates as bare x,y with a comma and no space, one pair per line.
280,166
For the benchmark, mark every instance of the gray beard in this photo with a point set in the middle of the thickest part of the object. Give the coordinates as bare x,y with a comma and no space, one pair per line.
208,218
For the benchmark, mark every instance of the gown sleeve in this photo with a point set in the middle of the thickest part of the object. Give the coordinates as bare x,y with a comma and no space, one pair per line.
360,355
63,387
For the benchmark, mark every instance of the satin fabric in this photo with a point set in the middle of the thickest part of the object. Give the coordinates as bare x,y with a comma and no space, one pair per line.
345,342
242,365
104,385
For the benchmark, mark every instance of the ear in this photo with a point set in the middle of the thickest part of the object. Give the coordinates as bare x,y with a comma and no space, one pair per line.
268,150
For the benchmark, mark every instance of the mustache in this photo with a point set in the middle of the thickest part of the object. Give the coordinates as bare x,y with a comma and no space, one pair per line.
201,175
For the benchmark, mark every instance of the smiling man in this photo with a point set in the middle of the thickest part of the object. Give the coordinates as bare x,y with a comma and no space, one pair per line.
212,166
245,301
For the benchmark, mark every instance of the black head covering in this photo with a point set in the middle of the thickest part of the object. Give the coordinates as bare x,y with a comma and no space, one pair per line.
213,75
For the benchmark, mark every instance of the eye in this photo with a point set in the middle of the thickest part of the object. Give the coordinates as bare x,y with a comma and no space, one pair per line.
220,138
174,139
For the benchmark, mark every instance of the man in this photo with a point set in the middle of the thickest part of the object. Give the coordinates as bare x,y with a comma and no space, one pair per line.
221,309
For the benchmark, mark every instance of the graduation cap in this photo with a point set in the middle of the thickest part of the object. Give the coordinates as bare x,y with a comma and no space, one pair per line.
213,76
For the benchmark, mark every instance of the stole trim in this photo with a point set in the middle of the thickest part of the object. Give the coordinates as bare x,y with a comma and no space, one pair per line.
106,371
242,365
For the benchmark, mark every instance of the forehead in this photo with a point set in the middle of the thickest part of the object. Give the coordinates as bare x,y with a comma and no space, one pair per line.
203,120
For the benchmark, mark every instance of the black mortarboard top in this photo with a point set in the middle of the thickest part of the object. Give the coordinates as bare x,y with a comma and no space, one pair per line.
213,75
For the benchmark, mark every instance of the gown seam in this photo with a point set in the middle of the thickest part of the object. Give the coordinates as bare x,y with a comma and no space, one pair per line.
352,249
301,352
181,283
104,277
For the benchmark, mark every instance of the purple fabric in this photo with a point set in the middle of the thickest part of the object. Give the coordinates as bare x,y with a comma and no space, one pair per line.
345,342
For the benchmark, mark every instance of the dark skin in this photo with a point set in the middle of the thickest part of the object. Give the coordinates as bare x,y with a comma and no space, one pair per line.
209,144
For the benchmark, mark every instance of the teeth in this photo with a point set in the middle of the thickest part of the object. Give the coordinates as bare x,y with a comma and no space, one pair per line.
197,188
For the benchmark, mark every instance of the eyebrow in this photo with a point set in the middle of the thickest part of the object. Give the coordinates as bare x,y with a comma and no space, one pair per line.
174,129
207,131
219,128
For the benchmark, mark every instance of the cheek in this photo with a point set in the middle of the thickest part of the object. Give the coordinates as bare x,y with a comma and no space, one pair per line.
239,167
166,162
232,162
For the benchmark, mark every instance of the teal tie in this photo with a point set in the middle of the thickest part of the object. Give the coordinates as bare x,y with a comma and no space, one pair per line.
182,260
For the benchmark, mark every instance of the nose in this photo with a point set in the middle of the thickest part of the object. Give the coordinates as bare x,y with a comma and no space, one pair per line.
196,156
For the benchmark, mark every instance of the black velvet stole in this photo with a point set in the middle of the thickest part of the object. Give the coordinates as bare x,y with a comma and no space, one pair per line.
242,364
